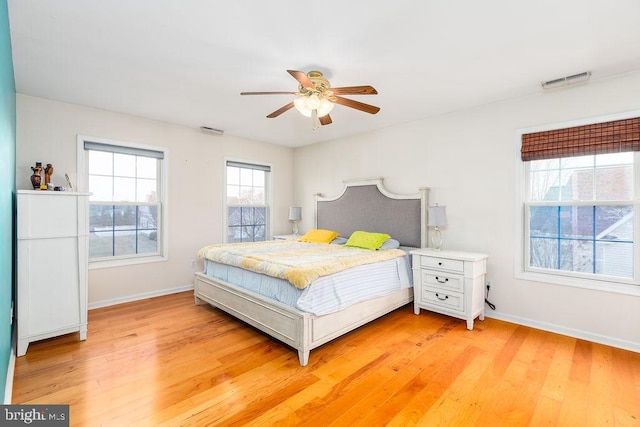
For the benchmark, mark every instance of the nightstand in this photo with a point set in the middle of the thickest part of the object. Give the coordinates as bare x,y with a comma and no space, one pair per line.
286,236
449,282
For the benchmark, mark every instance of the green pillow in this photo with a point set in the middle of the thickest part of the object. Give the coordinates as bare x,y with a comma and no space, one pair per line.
366,240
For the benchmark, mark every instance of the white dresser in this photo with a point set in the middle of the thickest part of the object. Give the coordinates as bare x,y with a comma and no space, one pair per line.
449,282
52,265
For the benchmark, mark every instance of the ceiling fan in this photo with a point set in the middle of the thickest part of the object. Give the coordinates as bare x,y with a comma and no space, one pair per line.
316,98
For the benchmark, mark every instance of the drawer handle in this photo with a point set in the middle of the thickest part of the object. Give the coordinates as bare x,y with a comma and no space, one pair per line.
446,297
441,281
439,263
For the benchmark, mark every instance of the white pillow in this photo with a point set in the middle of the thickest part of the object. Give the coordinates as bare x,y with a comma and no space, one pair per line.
390,244
339,241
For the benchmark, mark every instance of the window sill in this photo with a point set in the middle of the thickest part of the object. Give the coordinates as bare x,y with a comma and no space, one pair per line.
95,265
583,283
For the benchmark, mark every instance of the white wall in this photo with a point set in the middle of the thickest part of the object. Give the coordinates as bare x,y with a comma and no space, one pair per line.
468,160
46,132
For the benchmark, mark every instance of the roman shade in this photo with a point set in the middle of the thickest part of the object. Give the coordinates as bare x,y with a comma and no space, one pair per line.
264,168
598,138
134,151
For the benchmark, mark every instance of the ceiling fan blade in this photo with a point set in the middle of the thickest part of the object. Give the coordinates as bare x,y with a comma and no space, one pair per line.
268,93
371,109
354,90
325,120
302,78
281,110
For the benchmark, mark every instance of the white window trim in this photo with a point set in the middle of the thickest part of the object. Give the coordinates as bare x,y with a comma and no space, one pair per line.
83,186
269,200
614,285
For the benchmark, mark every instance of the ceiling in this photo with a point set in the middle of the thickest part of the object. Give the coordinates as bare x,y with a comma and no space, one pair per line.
186,61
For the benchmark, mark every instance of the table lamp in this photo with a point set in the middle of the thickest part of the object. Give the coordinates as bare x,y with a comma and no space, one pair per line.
295,215
437,219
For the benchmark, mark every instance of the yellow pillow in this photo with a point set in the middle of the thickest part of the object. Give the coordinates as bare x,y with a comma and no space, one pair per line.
366,240
319,236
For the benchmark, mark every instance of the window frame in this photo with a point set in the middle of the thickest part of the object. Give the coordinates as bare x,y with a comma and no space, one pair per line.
163,230
268,196
621,285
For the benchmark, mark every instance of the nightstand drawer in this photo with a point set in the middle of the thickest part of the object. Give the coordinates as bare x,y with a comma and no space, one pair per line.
445,281
442,264
449,300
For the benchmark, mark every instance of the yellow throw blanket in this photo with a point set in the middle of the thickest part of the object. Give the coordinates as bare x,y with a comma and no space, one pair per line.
298,262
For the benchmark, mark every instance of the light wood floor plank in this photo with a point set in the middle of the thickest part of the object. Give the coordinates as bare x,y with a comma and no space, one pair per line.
166,361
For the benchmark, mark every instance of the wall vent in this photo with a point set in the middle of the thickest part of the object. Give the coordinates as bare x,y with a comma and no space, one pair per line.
211,131
566,81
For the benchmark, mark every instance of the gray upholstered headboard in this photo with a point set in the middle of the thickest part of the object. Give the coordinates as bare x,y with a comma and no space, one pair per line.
366,205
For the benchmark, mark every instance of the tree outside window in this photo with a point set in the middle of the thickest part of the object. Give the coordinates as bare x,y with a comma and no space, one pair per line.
247,209
580,214
126,203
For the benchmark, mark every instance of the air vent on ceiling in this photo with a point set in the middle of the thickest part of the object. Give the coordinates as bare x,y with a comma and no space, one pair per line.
566,81
211,131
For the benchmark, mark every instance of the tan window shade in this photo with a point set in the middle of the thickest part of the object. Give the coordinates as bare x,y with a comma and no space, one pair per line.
597,138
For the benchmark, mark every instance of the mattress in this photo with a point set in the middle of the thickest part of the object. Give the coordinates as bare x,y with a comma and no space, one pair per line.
326,294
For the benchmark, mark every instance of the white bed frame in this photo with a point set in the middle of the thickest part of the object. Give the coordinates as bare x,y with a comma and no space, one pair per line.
301,330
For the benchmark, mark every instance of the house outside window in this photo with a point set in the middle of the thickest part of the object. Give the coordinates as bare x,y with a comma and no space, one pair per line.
247,201
127,205
578,194
580,215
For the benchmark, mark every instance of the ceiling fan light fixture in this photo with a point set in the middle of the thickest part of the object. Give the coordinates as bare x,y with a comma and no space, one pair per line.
307,103
316,98
301,105
313,101
325,107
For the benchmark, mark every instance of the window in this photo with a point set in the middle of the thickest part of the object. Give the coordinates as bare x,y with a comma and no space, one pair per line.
126,207
579,216
247,202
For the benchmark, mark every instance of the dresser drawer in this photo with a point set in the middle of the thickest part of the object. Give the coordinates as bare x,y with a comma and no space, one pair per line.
442,264
444,281
449,300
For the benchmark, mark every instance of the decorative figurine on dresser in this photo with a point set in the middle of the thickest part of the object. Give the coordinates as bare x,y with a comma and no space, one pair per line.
51,298
449,282
48,171
36,178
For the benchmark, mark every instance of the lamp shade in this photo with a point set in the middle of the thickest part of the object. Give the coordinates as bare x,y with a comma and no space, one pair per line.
295,213
306,104
301,105
437,216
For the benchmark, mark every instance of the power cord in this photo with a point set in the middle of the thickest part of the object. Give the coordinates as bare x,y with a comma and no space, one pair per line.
489,303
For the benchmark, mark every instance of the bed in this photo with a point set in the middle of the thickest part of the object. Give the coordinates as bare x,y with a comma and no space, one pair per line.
362,205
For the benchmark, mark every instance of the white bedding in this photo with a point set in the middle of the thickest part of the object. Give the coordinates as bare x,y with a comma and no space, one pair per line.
326,294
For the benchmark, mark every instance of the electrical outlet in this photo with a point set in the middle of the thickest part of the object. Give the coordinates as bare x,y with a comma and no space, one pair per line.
488,284
193,263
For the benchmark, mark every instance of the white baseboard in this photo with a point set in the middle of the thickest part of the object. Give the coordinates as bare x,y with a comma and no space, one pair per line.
574,333
8,388
131,298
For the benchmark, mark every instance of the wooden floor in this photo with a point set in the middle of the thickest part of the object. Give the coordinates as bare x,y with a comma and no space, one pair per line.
166,361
